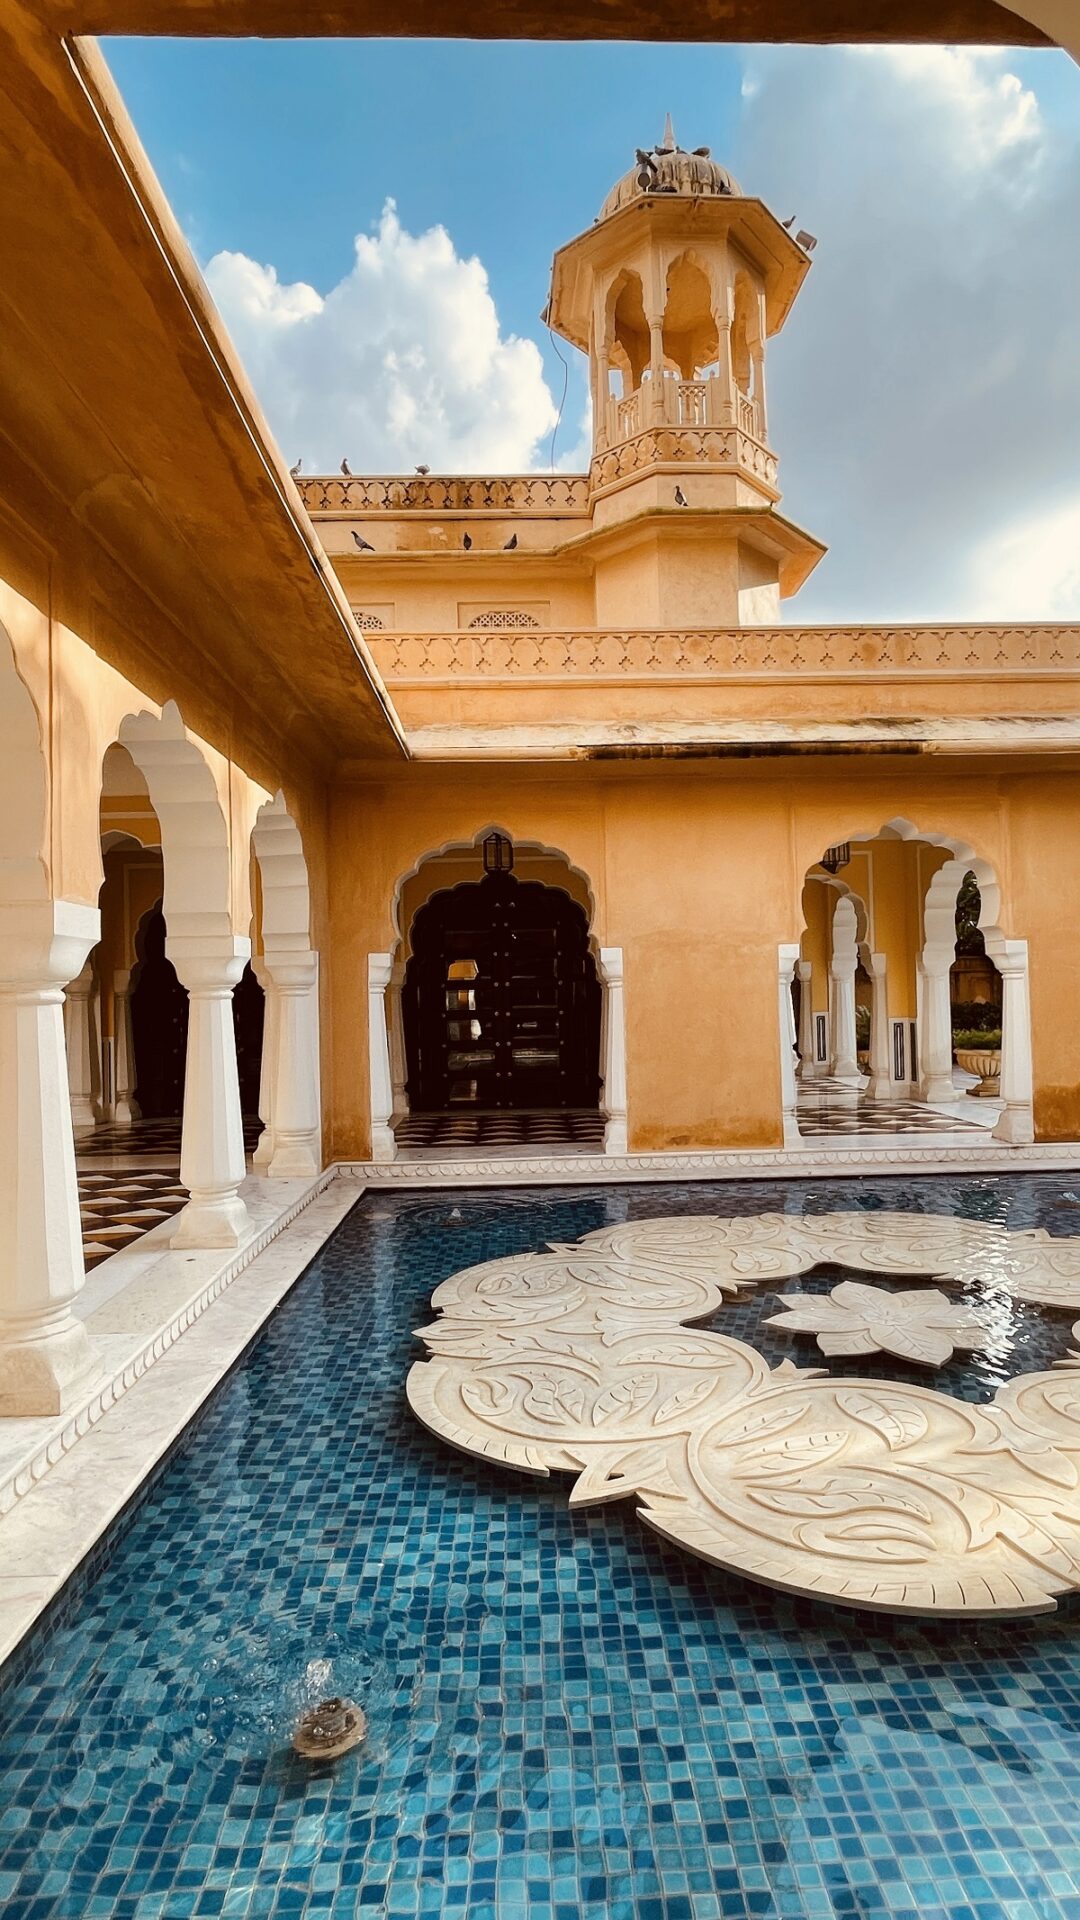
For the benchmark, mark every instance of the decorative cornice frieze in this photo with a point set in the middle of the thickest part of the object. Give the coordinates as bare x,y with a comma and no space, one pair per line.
446,493
727,653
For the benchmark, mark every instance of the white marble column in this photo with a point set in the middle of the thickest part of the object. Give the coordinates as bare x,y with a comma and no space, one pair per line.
78,1039
845,1060
807,1049
296,1122
399,1066
264,1147
212,1139
935,1030
125,1106
381,1084
614,1050
880,1053
789,1059
97,1062
1016,1124
46,1360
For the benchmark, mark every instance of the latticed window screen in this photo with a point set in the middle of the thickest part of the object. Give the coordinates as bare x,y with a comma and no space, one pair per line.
503,618
369,622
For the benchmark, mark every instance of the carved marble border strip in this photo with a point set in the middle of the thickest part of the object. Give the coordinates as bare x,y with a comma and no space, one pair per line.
808,1161
869,1493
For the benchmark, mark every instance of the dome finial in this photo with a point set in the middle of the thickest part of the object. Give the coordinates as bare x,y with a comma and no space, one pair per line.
669,143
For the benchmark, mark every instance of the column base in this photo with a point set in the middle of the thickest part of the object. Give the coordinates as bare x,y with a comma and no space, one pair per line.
880,1088
264,1150
615,1136
126,1112
940,1090
83,1115
46,1375
211,1220
1016,1127
383,1144
295,1159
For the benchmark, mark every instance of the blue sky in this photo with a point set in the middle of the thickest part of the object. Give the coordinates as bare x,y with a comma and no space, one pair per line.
925,395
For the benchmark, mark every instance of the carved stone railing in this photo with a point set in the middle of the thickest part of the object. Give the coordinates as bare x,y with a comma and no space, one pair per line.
729,653
704,447
446,493
674,402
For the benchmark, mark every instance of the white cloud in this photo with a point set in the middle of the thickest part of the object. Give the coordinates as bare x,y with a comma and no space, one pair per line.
402,362
926,389
1031,570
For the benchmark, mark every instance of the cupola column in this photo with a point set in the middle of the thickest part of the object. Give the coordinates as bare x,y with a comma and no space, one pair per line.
725,379
656,365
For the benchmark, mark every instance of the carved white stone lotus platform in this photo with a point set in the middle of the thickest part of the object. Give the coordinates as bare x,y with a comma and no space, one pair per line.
868,1493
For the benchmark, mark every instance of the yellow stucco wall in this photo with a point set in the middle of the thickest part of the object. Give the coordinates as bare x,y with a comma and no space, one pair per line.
697,874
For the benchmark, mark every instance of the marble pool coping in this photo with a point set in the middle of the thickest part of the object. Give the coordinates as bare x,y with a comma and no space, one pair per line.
63,1481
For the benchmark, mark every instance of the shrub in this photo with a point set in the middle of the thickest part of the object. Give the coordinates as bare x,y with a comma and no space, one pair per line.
976,1016
976,1037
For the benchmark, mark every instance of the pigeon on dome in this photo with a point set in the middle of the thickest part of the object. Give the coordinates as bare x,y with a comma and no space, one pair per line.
669,168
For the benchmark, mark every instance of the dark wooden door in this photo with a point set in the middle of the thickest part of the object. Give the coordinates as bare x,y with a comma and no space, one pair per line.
501,1001
159,1023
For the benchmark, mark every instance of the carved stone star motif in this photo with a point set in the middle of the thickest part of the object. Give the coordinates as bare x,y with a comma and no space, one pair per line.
920,1324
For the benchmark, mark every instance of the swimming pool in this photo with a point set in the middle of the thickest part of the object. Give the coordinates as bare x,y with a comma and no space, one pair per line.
567,1717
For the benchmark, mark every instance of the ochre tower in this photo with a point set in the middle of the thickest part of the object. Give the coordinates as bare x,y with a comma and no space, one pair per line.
673,293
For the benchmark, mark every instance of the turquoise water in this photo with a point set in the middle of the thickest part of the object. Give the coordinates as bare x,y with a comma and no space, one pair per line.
567,1717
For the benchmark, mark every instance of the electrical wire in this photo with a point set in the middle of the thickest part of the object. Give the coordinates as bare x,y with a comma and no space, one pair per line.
565,387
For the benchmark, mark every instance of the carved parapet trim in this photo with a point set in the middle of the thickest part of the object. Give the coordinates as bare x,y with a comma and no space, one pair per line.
728,653
725,448
446,493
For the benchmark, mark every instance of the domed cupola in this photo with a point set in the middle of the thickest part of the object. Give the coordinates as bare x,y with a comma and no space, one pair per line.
669,168
673,293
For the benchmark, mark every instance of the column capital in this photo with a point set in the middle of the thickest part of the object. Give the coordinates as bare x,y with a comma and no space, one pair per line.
205,961
611,966
379,969
45,943
292,972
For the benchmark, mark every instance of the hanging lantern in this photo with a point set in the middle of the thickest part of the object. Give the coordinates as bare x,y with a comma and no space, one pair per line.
836,857
498,854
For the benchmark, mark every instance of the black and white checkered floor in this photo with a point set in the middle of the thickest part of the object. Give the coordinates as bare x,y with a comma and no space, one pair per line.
491,1132
828,1108
139,1187
144,1137
117,1207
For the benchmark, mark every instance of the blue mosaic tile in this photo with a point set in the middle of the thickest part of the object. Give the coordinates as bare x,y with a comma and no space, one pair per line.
567,1717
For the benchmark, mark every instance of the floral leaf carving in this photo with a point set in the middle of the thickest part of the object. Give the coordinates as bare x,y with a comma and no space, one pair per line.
683,1399
839,1500
799,1450
487,1396
627,1396
557,1398
900,1422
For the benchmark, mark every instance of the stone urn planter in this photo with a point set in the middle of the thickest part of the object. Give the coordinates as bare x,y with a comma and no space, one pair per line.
986,1062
